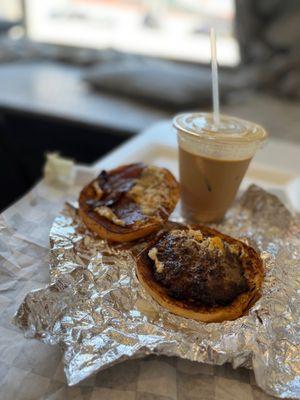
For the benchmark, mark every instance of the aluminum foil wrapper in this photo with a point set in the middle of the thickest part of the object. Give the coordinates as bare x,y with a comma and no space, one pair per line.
97,310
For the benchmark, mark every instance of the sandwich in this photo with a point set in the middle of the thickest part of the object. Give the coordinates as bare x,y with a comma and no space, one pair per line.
199,273
129,202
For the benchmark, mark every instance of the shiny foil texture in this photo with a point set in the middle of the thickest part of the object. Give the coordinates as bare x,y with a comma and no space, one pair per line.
97,310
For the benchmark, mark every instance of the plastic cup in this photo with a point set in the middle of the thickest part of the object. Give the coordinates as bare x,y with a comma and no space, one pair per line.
213,161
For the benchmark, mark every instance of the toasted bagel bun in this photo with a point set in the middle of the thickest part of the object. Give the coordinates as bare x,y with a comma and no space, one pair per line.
130,188
253,271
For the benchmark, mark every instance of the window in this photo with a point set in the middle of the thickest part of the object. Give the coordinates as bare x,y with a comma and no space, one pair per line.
173,29
10,10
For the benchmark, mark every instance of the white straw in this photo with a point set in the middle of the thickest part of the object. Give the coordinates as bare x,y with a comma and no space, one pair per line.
215,79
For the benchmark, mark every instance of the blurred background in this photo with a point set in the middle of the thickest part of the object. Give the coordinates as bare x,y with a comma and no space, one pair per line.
82,76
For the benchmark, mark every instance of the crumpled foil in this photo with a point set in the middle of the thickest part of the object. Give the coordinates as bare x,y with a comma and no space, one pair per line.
97,310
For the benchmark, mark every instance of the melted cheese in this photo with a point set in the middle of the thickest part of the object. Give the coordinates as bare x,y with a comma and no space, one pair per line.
208,244
215,243
237,250
190,233
197,235
158,264
211,243
151,191
108,213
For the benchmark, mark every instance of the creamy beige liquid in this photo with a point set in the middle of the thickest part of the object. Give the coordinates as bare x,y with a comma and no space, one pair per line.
208,186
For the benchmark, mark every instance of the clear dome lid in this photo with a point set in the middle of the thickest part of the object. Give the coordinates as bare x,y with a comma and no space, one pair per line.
232,138
230,128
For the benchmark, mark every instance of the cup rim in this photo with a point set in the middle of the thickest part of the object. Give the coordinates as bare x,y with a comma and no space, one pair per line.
259,134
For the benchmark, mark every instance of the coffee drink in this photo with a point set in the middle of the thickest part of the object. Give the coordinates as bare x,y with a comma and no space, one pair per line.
212,162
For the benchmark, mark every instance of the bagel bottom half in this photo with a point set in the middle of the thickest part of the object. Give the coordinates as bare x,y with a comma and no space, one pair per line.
187,309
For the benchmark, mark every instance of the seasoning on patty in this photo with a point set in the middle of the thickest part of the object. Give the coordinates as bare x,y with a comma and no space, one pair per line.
205,271
200,273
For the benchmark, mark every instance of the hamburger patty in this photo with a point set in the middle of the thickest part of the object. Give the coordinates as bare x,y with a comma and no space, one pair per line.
207,271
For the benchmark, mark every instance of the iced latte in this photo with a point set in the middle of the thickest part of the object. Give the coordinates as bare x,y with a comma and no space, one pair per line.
213,161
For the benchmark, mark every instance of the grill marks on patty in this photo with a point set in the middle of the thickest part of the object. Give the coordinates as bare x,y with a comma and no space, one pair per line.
208,272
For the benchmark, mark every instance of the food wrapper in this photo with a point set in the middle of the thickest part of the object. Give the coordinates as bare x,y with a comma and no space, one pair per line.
96,309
